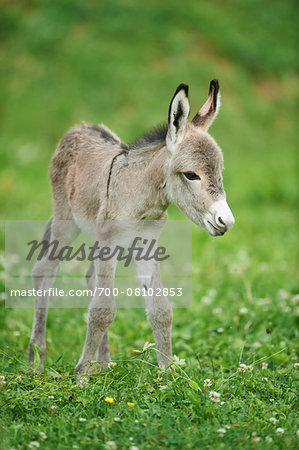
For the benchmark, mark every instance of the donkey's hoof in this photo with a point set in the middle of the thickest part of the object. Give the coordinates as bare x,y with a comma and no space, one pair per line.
84,369
78,369
39,369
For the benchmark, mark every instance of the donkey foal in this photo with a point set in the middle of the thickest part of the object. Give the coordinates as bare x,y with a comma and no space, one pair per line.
97,181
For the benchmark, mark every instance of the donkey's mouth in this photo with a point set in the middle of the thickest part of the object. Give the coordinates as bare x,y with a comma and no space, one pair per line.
218,232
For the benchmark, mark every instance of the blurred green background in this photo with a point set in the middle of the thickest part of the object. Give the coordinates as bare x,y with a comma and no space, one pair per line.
119,62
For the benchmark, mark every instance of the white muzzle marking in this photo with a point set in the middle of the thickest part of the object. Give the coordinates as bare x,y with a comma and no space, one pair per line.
219,219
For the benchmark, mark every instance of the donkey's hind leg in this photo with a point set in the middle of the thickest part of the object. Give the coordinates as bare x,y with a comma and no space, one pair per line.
103,353
43,275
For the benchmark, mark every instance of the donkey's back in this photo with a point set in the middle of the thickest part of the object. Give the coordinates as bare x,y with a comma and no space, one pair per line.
80,171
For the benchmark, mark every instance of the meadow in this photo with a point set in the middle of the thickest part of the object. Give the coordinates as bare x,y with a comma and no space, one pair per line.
233,382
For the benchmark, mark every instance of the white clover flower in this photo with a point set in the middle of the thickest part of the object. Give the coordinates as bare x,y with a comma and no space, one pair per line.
136,421
131,439
283,294
116,419
220,330
207,382
280,430
264,379
161,387
178,361
111,364
217,310
249,368
221,432
263,301
53,407
18,378
50,396
110,445
273,420
82,419
256,439
243,311
134,447
214,396
295,300
242,368
222,403
83,381
42,435
2,380
206,300
264,366
34,444
269,439
296,365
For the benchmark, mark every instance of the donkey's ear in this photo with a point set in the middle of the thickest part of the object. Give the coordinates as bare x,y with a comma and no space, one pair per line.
178,113
207,113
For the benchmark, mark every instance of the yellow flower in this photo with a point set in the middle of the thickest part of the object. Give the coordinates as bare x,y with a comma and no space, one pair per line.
131,404
109,399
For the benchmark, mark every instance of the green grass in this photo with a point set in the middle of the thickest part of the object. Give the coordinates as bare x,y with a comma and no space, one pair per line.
119,63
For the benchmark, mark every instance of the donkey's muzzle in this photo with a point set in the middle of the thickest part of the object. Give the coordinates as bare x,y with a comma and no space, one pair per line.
221,218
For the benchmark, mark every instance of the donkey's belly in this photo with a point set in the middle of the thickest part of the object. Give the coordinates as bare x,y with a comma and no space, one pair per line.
86,224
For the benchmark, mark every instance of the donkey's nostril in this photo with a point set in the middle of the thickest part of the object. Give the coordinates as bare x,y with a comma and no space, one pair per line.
221,224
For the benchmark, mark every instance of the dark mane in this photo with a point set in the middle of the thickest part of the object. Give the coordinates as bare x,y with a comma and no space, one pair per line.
152,137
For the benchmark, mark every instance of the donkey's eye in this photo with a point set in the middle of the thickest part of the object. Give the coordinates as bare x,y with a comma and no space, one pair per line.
192,176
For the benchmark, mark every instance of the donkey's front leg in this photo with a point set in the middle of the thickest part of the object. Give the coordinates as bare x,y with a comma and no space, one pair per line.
159,310
102,310
103,353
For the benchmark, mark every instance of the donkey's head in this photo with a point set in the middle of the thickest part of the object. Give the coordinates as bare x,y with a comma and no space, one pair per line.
194,181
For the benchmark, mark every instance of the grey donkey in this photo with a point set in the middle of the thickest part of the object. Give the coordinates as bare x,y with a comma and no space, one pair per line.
97,180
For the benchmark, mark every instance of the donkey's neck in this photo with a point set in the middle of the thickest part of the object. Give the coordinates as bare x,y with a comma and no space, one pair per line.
149,168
